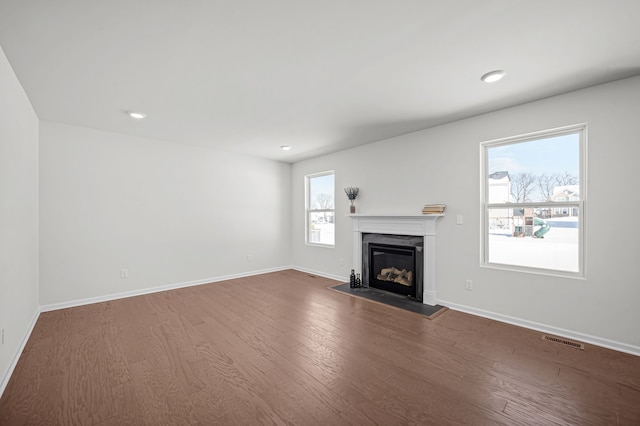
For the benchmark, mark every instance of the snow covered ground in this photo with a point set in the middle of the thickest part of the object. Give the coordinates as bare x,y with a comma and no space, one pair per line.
557,250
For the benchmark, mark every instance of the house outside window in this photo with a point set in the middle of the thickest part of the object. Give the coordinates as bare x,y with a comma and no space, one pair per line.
320,209
533,199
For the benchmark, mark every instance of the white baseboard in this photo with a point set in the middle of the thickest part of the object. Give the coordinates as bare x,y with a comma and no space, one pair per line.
321,274
149,290
7,374
598,341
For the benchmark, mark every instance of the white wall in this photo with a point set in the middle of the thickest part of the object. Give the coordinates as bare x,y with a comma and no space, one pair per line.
442,165
18,217
168,213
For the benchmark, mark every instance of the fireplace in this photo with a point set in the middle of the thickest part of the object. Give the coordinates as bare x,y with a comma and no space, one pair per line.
423,226
393,263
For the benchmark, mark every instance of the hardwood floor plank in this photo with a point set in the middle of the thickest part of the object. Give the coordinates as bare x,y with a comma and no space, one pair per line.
362,402
128,409
224,405
160,397
542,415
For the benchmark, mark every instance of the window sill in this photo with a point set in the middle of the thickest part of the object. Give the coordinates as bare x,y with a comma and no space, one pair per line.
320,245
535,271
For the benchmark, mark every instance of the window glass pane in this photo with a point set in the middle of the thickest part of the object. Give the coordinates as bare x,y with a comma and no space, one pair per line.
321,228
546,170
321,190
527,237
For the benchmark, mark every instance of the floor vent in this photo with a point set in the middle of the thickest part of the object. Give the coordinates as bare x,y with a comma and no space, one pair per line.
562,341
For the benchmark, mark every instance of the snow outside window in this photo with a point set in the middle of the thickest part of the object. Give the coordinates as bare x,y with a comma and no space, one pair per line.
320,209
533,194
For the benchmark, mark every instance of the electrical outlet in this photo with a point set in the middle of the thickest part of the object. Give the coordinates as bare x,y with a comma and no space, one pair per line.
341,262
469,285
2,336
124,273
459,219
249,258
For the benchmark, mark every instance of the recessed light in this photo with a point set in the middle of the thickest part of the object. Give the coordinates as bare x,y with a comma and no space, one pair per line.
285,147
493,76
136,115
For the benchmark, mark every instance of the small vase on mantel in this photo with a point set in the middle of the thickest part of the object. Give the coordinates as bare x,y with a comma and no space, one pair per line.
352,194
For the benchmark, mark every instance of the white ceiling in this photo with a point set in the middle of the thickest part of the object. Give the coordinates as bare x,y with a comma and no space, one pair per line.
248,76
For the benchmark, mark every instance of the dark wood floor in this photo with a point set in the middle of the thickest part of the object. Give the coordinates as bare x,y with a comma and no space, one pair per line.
281,348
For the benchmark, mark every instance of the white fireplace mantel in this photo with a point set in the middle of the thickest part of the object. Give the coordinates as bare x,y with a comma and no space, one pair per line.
421,225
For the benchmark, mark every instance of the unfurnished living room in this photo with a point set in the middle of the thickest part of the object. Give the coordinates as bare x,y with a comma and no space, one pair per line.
319,212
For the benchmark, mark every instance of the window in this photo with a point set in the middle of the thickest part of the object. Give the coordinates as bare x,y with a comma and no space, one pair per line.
533,193
320,208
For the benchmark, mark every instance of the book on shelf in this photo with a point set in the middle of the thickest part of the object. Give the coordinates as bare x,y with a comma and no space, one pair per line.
433,208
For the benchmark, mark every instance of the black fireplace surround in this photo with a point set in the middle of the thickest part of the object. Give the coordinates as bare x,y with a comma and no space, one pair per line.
393,263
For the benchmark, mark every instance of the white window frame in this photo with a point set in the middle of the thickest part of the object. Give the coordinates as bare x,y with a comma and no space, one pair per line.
309,211
581,130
